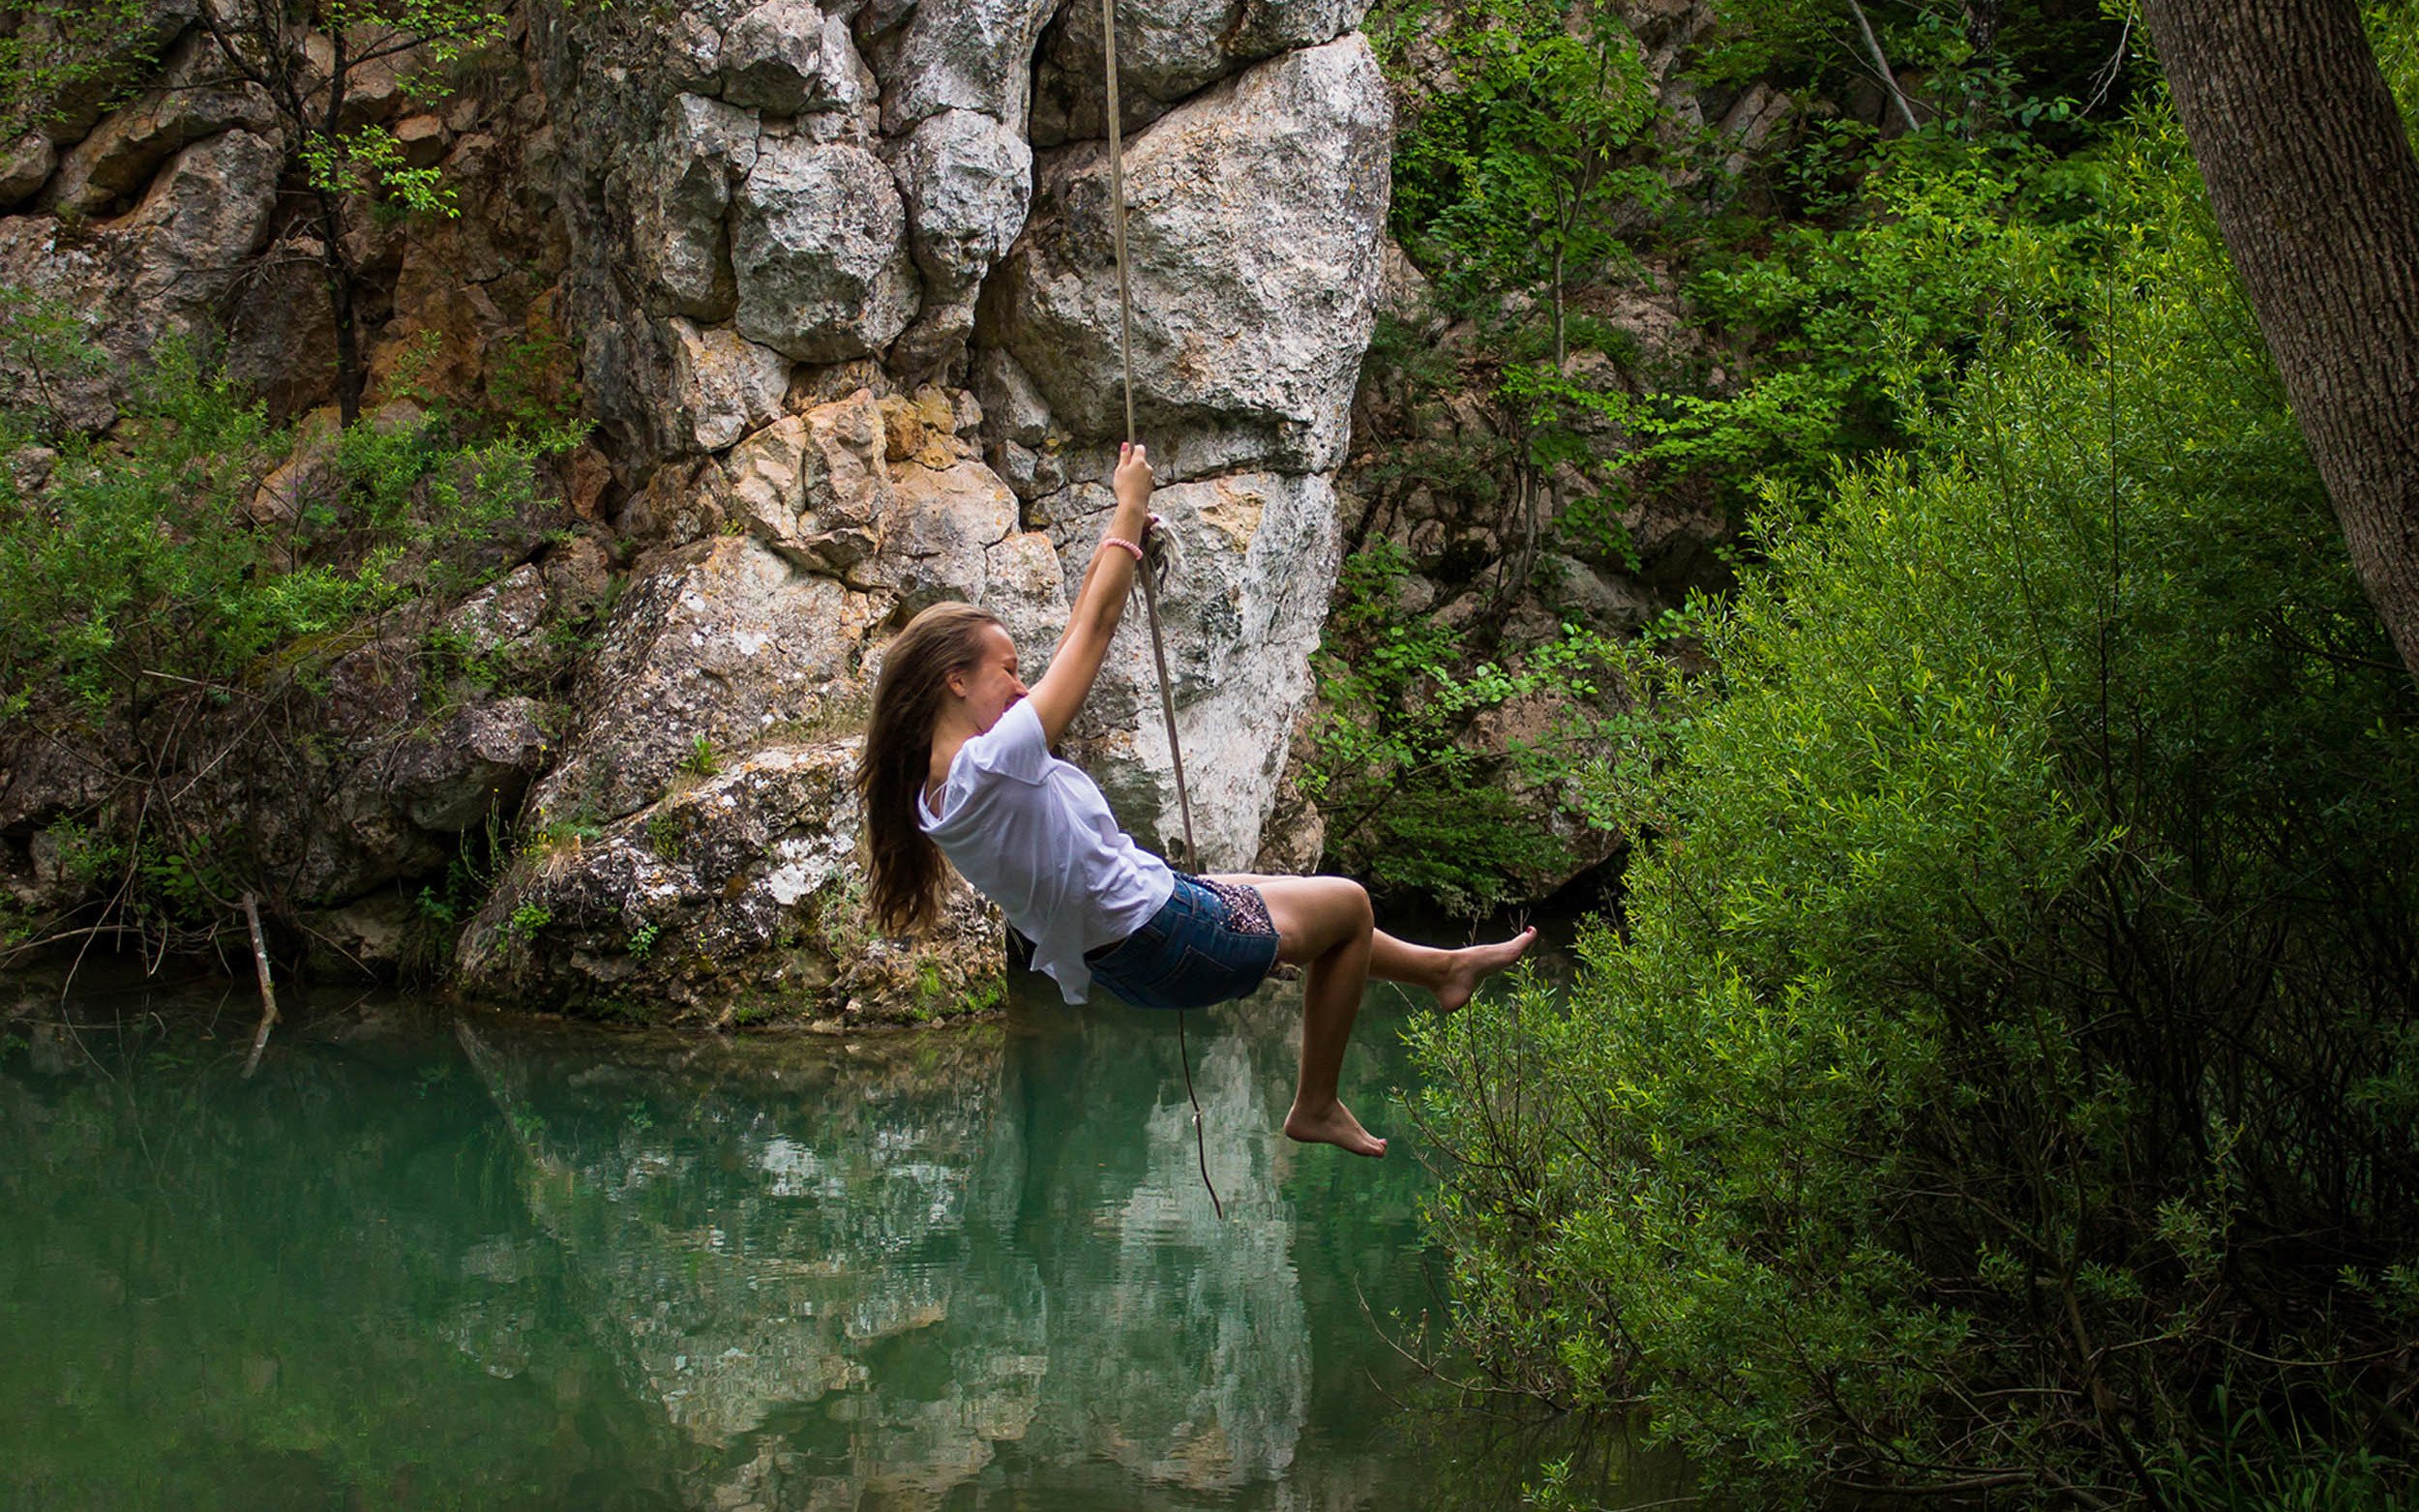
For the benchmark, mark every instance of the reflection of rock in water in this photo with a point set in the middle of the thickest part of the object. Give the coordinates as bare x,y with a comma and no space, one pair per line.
756,1227
812,1261
1185,1355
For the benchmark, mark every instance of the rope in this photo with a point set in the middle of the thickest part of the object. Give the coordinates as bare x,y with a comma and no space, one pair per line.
1151,587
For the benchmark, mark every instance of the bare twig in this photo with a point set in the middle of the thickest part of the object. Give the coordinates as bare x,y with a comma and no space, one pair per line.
268,990
1881,66
2116,66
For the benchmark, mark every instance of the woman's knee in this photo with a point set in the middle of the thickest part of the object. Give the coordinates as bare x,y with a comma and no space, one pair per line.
1315,914
1353,901
1344,908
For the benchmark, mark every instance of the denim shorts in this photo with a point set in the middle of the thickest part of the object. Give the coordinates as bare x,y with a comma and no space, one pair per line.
1209,942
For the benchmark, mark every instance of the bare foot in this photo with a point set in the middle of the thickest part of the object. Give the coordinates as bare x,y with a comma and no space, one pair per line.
1335,1126
1468,968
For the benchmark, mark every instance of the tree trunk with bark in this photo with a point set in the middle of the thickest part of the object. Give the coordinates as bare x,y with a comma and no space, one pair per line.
2317,191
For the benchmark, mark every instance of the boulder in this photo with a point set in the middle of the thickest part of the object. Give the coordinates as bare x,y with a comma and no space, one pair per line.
67,110
740,887
473,766
25,165
704,148
499,613
282,338
307,480
371,936
959,55
1598,596
819,252
788,58
128,146
1167,50
1258,211
377,88
423,139
937,543
967,181
712,642
1242,611
815,487
722,385
161,271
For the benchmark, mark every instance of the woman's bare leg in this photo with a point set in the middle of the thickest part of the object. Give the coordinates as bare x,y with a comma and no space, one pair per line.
1324,924
1453,975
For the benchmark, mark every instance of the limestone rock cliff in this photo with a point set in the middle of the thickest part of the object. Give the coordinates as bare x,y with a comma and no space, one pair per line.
847,342
836,278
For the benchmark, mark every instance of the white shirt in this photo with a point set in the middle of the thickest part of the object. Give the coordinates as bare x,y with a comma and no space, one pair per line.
1033,835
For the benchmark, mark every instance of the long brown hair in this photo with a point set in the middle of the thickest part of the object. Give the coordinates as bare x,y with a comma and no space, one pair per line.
897,760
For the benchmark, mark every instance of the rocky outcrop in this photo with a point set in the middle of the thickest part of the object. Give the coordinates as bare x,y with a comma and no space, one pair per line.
974,179
736,890
1167,50
164,271
193,101
818,252
1257,212
827,217
1241,612
851,349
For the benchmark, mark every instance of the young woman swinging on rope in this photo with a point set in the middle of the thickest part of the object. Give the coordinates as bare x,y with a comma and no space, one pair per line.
957,763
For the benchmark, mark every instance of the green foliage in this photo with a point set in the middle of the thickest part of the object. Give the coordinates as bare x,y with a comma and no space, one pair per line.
42,344
369,160
141,562
1857,330
2258,1460
702,760
527,919
154,587
532,387
137,563
1510,181
1971,74
1411,803
664,835
2010,1035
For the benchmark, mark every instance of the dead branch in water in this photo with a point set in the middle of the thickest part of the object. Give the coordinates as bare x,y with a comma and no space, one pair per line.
268,989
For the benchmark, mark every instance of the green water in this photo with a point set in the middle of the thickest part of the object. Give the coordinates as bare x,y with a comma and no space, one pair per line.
431,1260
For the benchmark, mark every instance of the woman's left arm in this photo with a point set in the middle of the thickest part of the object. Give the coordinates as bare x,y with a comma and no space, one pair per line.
1100,604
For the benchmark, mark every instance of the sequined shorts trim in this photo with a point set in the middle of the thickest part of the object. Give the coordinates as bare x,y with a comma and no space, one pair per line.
1247,913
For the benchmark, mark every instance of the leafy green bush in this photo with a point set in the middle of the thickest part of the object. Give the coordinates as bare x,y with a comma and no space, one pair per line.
1851,327
1513,179
142,561
1412,803
169,597
2010,1039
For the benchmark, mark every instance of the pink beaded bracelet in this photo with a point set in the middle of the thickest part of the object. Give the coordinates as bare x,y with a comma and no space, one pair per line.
1120,541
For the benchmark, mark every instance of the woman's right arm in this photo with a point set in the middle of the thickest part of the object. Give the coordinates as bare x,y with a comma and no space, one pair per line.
1098,604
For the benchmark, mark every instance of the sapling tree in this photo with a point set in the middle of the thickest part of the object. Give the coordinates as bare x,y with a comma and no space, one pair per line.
307,59
1525,174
